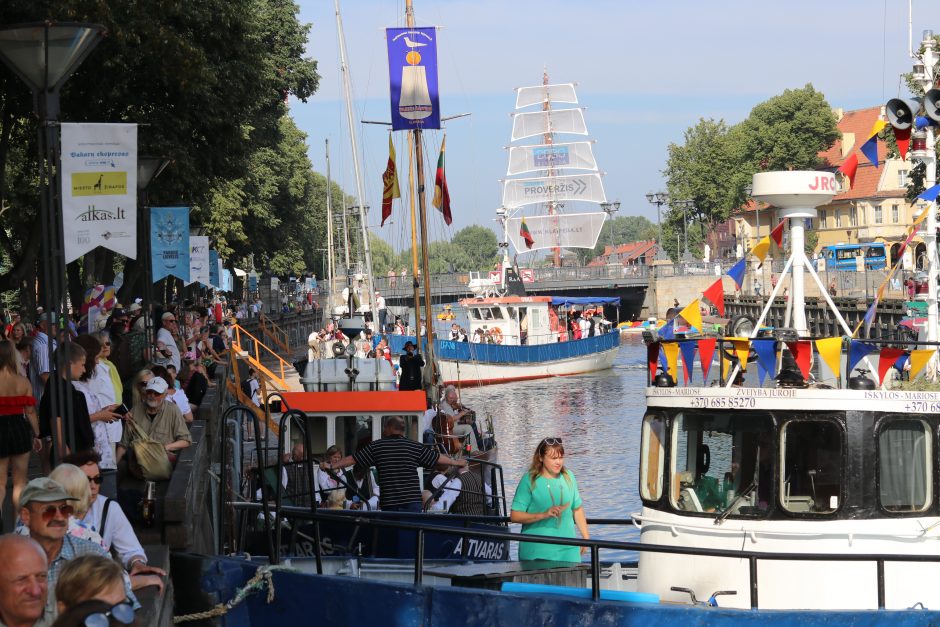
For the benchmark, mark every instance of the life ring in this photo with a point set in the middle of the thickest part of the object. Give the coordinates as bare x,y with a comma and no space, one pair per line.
497,334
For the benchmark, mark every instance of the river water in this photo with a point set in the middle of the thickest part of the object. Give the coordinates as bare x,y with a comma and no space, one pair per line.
598,418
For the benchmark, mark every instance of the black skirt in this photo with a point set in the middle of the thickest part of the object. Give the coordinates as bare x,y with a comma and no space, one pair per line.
16,435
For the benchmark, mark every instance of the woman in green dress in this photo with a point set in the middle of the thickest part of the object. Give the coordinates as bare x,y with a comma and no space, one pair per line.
547,503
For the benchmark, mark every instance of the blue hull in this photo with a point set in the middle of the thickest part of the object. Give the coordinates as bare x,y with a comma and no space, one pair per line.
501,354
302,599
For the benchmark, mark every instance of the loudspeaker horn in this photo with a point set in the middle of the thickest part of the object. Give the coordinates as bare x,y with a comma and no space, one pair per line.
901,112
932,104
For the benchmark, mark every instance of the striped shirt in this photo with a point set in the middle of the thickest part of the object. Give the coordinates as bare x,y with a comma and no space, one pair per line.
397,460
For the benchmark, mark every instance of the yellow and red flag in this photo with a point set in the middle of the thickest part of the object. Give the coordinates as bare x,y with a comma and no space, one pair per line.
390,189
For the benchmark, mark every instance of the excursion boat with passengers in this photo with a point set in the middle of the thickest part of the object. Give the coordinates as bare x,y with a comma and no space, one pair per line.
817,486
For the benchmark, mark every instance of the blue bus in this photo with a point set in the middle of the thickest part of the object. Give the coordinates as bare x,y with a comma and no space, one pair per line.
843,256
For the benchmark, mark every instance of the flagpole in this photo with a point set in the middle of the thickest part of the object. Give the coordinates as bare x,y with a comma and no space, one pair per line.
329,230
414,235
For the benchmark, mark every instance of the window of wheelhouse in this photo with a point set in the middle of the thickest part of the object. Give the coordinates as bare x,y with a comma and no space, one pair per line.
722,463
905,473
811,466
474,313
411,426
353,432
652,457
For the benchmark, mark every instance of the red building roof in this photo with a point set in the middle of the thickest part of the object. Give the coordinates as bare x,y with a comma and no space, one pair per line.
625,253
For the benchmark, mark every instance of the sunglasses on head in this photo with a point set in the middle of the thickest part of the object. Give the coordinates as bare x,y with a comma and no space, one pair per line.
122,613
550,442
48,512
96,479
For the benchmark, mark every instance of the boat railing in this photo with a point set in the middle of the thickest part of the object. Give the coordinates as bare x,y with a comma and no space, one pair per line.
421,529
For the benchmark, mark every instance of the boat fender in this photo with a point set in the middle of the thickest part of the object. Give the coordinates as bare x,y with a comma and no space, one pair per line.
497,335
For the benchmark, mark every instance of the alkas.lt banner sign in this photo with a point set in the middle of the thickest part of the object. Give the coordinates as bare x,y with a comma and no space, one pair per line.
99,188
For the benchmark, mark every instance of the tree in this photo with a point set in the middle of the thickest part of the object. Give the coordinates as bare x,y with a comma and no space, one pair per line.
625,229
383,257
479,245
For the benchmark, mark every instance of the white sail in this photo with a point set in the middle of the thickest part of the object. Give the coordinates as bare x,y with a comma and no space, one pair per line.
565,230
575,155
541,122
586,187
540,94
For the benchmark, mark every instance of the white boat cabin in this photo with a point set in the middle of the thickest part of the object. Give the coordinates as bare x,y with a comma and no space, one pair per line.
512,320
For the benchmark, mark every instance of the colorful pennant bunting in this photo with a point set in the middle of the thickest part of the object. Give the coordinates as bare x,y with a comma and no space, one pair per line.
930,194
742,350
693,315
849,167
886,359
688,358
668,330
671,350
716,296
761,249
919,359
870,316
802,352
830,350
870,150
857,351
706,351
766,350
903,139
652,357
736,272
777,234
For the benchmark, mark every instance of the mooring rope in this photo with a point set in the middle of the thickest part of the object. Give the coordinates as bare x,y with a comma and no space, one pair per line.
263,576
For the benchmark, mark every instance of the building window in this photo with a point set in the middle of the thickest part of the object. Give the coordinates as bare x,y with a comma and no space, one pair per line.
895,214
902,178
811,474
878,216
822,218
838,219
853,215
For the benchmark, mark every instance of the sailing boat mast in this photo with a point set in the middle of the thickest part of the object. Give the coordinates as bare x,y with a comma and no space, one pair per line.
347,90
415,286
422,211
549,138
329,229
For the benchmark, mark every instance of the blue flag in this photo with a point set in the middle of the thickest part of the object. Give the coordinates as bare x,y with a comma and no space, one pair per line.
870,315
766,357
870,149
214,268
736,272
930,194
668,330
857,351
688,358
663,362
412,67
169,242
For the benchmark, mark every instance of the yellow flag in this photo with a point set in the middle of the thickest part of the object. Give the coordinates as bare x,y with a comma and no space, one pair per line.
830,349
693,315
761,249
877,127
671,350
742,348
919,359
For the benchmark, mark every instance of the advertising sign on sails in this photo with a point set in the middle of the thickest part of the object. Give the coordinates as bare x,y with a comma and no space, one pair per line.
568,230
586,187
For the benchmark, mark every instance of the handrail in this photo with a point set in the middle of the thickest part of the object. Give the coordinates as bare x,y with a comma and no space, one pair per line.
255,360
420,528
278,335
235,388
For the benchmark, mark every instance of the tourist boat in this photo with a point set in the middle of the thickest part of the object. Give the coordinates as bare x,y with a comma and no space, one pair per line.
516,338
820,487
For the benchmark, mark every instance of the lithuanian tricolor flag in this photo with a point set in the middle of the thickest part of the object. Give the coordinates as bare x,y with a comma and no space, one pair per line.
441,195
526,235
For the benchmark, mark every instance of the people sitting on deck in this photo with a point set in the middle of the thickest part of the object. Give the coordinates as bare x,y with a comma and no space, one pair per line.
464,417
454,332
461,492
478,337
399,326
328,482
362,492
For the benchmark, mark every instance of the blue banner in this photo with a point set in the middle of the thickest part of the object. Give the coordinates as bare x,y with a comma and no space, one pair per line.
169,242
214,268
227,283
412,70
252,282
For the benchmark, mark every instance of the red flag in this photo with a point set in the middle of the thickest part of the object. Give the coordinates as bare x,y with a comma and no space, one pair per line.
849,167
652,356
903,139
716,295
777,234
802,351
389,183
706,351
526,235
441,195
886,359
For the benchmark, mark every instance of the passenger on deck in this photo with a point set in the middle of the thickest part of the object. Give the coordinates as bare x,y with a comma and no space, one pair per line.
463,492
362,491
464,417
327,484
411,364
397,459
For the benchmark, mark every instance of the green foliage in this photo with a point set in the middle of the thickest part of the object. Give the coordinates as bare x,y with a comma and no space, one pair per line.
480,246
383,257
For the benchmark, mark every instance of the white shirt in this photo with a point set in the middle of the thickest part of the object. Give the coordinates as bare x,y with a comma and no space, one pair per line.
427,418
118,532
98,427
166,338
380,302
451,492
103,388
178,397
373,502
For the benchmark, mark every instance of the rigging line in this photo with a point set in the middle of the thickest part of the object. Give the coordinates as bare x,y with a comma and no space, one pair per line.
884,51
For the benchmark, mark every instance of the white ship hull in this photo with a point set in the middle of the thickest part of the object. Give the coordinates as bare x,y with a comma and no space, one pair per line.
463,373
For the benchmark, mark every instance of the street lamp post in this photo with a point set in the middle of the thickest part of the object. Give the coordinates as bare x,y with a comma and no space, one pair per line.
610,208
685,205
44,55
659,199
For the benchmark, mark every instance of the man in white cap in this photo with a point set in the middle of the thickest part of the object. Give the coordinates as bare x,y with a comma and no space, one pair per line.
166,351
45,509
160,420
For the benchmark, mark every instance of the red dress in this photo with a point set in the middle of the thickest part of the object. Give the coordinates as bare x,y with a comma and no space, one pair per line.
16,434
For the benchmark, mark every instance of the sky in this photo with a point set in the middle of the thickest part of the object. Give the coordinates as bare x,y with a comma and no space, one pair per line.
645,72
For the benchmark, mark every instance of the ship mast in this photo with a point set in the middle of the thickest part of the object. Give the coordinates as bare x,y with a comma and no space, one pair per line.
329,231
430,370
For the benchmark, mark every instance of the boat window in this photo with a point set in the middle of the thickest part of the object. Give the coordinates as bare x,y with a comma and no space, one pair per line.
811,469
353,432
486,312
722,462
497,314
512,312
474,313
904,468
411,426
652,455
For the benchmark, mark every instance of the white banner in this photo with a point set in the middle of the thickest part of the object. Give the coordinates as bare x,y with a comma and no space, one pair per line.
198,259
562,92
519,192
540,122
99,188
575,155
566,230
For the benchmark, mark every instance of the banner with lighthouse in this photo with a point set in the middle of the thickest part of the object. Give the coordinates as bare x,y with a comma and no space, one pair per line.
412,71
